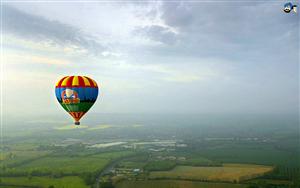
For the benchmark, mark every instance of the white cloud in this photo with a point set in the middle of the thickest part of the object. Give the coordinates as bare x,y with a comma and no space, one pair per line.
17,58
108,53
213,55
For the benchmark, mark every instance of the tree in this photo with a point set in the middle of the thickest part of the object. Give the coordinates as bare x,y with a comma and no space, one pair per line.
106,185
253,186
89,178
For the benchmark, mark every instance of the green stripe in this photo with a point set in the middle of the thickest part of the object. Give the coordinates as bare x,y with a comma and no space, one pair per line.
79,107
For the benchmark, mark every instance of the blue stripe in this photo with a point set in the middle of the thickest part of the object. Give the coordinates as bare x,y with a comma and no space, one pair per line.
84,94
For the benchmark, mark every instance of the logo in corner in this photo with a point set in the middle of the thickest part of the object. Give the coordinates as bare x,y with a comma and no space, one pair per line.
288,7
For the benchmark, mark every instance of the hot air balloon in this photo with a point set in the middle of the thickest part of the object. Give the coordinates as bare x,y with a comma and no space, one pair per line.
76,94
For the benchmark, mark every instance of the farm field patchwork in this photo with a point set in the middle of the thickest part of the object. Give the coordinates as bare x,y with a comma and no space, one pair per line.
175,184
228,172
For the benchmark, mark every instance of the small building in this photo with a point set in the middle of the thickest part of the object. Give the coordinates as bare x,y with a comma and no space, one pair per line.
136,170
181,158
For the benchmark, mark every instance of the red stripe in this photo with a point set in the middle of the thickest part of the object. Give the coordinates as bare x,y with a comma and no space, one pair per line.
81,82
74,86
74,115
71,113
91,81
77,115
69,81
60,81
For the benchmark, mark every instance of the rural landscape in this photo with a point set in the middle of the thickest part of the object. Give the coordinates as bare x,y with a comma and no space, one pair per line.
149,94
131,151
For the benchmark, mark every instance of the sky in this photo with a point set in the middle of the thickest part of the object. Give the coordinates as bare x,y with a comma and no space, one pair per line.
153,56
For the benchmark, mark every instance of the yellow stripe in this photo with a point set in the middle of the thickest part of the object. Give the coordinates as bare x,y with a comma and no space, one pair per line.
75,81
95,84
57,83
86,81
64,82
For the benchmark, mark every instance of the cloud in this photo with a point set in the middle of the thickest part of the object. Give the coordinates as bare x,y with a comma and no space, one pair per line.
112,54
225,30
154,57
158,33
177,72
39,29
16,58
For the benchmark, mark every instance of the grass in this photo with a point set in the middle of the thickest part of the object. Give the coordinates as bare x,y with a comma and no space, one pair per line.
23,146
130,164
175,184
45,182
72,165
228,172
65,164
160,165
271,181
263,153
198,161
16,157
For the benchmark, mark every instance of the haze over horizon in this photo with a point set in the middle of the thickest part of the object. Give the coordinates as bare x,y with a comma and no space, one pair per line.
215,58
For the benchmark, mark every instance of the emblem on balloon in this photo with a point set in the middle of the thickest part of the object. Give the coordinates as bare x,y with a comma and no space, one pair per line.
76,94
70,96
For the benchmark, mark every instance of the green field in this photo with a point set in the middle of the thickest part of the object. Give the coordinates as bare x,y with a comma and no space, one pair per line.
130,164
198,161
16,157
228,172
271,181
45,182
66,164
70,165
160,165
175,184
267,154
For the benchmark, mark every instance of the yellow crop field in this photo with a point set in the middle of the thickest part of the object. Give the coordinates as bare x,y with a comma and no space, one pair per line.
227,172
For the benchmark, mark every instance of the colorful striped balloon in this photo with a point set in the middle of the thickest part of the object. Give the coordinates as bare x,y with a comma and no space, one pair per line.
76,94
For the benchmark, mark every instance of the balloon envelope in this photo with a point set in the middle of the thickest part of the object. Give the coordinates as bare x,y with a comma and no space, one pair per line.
76,94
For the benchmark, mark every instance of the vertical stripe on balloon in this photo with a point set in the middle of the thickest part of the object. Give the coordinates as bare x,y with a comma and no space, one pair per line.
60,81
75,81
64,82
86,81
69,81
